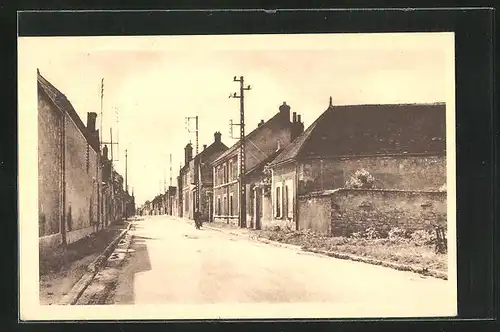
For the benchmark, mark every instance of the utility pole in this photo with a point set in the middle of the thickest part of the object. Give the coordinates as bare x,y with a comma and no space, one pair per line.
126,183
241,96
111,143
102,95
170,169
117,132
188,121
198,186
99,167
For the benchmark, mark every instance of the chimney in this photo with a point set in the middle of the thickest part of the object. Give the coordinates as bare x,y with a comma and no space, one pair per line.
217,136
294,117
285,111
188,153
204,146
91,117
260,123
297,127
105,151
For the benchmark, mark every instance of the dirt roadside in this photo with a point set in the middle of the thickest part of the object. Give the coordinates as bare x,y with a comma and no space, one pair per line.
62,269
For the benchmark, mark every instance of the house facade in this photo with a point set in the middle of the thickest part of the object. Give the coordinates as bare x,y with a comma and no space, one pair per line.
397,147
187,183
171,201
197,178
260,145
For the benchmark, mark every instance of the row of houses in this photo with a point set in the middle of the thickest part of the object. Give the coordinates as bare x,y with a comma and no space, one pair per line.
353,166
79,192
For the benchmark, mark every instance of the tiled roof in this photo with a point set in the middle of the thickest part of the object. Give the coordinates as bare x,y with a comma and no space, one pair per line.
60,100
260,166
372,130
236,146
209,154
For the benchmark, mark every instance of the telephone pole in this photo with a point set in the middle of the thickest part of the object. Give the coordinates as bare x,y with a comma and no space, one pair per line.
198,180
188,120
126,183
170,169
99,167
102,95
241,97
111,143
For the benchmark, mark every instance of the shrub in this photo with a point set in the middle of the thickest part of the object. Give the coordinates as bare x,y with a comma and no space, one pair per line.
398,235
371,234
422,238
360,179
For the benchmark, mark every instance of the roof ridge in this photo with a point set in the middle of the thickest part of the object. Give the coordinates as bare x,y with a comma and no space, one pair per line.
308,132
60,101
392,104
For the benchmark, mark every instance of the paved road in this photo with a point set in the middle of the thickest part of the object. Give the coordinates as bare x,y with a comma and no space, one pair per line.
173,263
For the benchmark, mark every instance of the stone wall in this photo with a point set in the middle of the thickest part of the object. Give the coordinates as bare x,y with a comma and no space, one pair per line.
81,159
390,172
344,211
50,169
315,213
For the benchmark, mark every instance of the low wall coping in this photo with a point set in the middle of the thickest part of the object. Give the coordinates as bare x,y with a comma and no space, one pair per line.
334,191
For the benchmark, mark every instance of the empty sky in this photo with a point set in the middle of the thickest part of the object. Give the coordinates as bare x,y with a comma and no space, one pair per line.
155,82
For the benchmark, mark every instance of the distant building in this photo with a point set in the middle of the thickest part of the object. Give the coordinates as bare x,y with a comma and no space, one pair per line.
197,178
398,147
171,201
260,145
107,188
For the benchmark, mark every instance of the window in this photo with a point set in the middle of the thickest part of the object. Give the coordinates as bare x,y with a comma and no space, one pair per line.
230,170
235,169
231,205
225,205
218,206
278,202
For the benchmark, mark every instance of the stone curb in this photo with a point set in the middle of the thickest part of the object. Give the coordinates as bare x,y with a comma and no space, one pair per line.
72,297
399,267
106,278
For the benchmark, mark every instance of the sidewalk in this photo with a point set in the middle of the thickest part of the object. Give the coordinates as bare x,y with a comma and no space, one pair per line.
66,265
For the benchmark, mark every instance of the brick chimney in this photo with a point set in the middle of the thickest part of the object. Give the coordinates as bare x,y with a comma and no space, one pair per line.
217,136
285,111
294,117
204,146
297,127
188,155
91,118
260,123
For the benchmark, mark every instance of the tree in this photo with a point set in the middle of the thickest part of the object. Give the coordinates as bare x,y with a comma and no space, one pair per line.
361,179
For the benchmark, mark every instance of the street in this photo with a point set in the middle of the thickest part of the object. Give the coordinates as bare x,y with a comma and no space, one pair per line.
173,263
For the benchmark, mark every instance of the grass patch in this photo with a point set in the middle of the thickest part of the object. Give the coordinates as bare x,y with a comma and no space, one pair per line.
396,250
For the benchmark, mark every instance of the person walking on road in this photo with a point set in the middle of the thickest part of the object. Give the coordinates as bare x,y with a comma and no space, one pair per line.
197,220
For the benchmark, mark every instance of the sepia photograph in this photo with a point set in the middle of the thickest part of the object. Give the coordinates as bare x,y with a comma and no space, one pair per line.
237,176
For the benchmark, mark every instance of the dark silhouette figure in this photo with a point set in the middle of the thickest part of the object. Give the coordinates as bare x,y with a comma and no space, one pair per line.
197,220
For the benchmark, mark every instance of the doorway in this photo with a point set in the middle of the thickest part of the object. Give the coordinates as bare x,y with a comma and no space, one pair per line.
258,208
